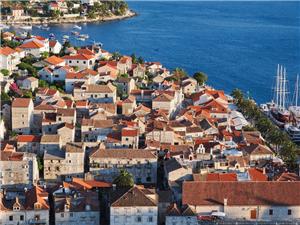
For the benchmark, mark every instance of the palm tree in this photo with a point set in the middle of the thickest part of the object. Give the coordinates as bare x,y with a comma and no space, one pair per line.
125,179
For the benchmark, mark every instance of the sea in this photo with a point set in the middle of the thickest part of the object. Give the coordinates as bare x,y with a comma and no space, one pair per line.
237,44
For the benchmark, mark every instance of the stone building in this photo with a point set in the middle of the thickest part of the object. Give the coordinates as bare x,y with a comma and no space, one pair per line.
22,115
142,164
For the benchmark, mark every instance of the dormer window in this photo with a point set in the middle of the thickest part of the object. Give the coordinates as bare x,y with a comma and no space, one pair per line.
17,208
37,206
67,207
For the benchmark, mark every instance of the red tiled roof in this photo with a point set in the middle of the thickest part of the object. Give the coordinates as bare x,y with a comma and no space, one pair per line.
221,177
89,72
129,132
54,60
32,44
40,38
52,43
89,184
21,102
6,51
288,177
85,51
257,175
199,193
28,138
78,57
75,76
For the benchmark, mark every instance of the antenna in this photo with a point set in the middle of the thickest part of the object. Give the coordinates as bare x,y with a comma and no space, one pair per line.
297,89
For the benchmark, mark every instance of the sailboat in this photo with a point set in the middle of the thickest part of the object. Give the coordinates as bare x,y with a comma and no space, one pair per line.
293,127
278,111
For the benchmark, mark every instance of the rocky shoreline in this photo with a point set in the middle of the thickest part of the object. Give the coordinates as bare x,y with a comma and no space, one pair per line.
44,20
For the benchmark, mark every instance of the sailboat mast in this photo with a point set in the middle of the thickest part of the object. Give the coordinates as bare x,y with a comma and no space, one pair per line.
297,89
284,89
277,86
280,88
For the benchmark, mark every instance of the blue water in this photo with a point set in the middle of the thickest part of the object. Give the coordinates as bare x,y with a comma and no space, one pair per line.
238,44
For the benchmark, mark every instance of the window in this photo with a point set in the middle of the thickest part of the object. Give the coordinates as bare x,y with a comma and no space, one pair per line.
71,214
11,218
77,61
84,62
150,219
139,219
148,179
59,119
126,139
106,96
271,212
37,217
62,215
289,212
70,61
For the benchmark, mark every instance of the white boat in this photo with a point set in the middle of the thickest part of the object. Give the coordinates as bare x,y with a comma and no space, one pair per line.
66,37
86,36
4,27
26,27
75,33
23,34
80,39
293,132
77,27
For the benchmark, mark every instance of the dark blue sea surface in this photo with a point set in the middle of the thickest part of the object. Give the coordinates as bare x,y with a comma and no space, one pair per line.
238,44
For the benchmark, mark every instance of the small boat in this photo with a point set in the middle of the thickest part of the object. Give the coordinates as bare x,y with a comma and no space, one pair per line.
28,27
75,33
4,26
86,36
66,37
77,27
39,26
23,34
80,39
45,27
51,35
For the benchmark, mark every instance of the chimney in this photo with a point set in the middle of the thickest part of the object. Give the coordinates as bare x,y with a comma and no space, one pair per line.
225,202
142,94
264,170
114,186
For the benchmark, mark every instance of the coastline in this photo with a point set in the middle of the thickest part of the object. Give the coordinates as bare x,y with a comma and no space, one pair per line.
38,20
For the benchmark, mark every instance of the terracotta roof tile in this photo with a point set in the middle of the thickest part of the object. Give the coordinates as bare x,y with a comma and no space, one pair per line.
241,193
54,60
32,44
28,138
21,102
6,51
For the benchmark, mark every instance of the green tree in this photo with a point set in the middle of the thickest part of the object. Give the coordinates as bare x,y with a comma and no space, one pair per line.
44,55
5,72
40,163
140,60
125,179
179,73
27,94
4,96
200,77
116,56
43,83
